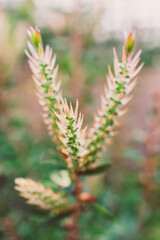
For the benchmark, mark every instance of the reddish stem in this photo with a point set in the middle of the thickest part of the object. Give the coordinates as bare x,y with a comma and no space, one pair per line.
73,226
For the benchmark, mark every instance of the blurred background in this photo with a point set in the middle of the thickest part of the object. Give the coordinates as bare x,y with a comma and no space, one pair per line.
83,34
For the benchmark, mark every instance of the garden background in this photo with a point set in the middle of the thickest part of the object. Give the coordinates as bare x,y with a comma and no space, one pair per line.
82,34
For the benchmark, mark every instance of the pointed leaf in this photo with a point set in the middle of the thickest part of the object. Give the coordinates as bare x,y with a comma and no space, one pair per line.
96,170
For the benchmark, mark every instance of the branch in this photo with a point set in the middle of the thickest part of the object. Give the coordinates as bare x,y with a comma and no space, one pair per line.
43,197
42,64
117,95
72,136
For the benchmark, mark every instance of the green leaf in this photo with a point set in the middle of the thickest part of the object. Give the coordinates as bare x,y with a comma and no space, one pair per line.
102,210
96,170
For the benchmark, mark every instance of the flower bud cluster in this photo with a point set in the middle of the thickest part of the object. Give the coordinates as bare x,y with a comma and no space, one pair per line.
117,95
42,64
72,135
43,197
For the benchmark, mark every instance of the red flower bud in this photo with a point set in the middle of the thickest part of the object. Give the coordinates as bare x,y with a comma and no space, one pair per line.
86,197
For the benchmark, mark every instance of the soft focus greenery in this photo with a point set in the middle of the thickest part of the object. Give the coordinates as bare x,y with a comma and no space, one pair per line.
123,211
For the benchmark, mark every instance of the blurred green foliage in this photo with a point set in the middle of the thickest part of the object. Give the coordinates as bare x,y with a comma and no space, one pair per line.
123,213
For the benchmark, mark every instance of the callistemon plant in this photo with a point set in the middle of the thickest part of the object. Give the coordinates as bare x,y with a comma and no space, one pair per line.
81,148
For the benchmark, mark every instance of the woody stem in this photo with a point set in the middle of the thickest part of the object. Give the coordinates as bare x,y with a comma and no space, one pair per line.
73,231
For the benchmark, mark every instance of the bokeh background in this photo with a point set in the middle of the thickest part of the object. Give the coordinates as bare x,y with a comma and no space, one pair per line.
83,34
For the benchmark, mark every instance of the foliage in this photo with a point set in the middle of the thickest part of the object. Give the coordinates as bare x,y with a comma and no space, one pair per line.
65,124
124,202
